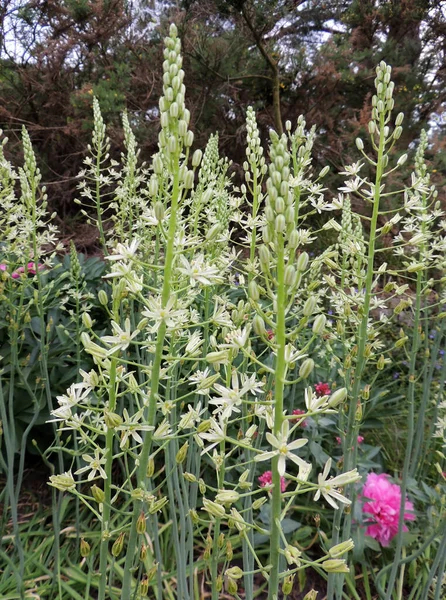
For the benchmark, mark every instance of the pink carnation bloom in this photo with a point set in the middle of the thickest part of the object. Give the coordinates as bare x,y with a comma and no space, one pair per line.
384,506
31,268
267,479
322,389
3,267
298,411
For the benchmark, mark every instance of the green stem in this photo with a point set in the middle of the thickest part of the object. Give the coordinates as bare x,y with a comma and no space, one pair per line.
150,413
280,373
103,553
350,449
410,435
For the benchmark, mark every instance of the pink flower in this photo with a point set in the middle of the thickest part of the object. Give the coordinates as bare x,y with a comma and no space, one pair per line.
384,506
3,267
267,479
322,389
298,411
31,269
360,439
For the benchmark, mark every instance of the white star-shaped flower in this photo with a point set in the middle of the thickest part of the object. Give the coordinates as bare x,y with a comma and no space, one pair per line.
283,449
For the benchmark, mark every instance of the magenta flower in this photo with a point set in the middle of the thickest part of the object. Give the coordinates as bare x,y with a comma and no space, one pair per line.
298,411
3,267
322,389
30,267
384,500
267,479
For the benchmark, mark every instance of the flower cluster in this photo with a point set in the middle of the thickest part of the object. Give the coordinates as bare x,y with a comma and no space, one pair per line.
266,479
30,269
384,503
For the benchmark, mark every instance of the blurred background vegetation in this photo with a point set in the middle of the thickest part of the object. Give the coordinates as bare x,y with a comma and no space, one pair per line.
283,57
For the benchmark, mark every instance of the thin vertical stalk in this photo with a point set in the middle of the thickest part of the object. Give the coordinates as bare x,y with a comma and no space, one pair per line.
103,553
410,435
351,436
279,386
150,413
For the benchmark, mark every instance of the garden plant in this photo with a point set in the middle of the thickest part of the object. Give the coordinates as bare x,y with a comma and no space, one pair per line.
218,399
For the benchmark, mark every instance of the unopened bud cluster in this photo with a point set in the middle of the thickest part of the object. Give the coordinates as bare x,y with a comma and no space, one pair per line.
279,206
254,151
175,116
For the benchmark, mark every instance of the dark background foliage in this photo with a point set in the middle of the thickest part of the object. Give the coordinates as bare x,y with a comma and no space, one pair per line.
284,57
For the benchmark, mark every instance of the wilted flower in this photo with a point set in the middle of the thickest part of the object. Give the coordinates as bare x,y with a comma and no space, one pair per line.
384,506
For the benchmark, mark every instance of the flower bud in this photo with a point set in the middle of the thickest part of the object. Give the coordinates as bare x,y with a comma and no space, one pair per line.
172,144
264,256
84,548
144,586
216,357
213,508
312,595
234,573
287,585
359,144
381,363
98,494
324,171
290,275
337,397
399,119
227,496
143,553
164,120
335,565
280,224
269,213
189,180
253,291
64,482
258,503
342,548
118,545
309,306
196,158
189,139
372,127
402,159
87,321
150,467
258,324
141,524
157,165
293,240
182,453
319,324
102,297
231,586
302,261
112,420
194,516
158,505
280,204
306,368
